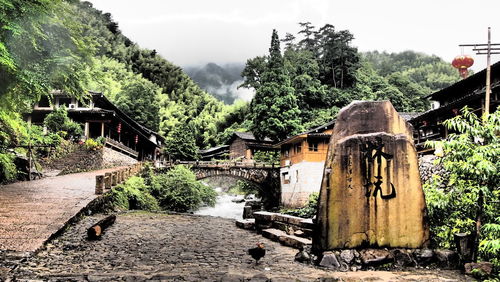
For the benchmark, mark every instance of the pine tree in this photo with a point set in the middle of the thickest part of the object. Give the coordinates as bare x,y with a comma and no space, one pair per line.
274,109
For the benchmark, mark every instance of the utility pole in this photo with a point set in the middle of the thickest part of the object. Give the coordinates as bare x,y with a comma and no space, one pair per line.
487,49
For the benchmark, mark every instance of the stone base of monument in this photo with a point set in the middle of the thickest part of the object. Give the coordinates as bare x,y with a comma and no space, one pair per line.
363,259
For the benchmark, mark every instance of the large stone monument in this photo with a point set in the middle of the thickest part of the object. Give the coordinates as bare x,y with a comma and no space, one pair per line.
371,194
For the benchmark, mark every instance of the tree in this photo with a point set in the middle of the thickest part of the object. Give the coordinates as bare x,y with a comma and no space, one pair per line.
178,190
139,99
41,49
472,194
58,121
180,144
274,108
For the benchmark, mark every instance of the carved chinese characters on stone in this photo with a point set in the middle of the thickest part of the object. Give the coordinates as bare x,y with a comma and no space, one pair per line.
371,193
371,160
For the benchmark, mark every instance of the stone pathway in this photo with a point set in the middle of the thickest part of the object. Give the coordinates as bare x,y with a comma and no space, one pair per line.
161,247
30,212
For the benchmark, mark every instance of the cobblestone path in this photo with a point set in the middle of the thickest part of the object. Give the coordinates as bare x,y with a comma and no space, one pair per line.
160,247
31,211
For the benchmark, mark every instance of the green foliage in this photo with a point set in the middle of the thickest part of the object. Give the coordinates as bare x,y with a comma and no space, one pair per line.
181,101
471,194
133,94
269,157
274,108
41,49
92,145
133,194
8,171
180,144
414,74
101,140
490,245
308,211
58,121
178,190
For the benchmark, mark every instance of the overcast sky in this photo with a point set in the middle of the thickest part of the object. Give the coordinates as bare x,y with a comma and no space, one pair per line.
190,32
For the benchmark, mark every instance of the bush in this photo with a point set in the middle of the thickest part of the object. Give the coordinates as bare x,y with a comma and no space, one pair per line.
101,140
178,190
92,145
308,211
58,121
133,194
8,171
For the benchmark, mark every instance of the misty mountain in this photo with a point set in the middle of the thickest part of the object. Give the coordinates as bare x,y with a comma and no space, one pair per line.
221,81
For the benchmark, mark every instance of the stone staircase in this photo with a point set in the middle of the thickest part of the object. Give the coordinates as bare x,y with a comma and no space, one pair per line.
289,230
79,159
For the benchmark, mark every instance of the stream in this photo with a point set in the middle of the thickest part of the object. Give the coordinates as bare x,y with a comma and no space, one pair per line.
224,207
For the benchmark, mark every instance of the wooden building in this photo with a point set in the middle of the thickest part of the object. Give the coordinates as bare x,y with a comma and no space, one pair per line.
447,103
302,160
101,118
243,145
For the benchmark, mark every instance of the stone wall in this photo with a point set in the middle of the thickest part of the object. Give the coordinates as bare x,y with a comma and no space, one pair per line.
428,167
113,158
83,160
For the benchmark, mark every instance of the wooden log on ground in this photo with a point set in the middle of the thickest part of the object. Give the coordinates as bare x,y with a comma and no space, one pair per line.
95,232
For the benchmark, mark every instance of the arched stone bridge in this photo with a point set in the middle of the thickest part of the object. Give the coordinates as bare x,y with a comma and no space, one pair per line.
265,176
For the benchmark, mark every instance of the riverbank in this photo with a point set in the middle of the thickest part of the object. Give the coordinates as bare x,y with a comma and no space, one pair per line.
157,246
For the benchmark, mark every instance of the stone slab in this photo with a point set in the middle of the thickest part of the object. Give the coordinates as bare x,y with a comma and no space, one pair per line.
273,234
248,223
294,241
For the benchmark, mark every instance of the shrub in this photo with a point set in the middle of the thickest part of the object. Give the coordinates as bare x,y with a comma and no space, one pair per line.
101,140
133,194
92,145
178,190
8,171
58,121
308,211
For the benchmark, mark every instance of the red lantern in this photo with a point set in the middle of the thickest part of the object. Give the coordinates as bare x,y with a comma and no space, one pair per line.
462,63
136,139
119,127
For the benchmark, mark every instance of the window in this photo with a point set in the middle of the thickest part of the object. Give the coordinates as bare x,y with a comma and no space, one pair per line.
285,152
298,148
65,102
313,146
286,178
44,102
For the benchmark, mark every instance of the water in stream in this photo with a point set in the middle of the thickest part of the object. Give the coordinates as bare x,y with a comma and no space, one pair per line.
224,207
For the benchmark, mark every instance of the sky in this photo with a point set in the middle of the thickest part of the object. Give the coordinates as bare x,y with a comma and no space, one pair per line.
193,32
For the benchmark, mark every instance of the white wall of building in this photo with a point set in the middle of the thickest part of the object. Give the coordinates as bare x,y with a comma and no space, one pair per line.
304,179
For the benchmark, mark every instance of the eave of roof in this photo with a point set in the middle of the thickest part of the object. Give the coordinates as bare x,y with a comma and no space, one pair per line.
477,78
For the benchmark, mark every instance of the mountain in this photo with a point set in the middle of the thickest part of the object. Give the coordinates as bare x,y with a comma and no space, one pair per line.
221,81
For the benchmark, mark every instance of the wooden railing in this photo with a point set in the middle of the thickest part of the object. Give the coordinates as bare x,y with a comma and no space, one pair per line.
219,164
121,148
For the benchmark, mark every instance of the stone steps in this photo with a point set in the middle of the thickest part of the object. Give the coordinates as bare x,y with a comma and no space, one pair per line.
285,239
248,223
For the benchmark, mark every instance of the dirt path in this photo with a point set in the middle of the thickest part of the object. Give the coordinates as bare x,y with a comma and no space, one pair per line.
144,246
30,212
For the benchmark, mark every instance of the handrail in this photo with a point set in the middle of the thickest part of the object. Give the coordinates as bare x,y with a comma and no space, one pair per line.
121,147
215,164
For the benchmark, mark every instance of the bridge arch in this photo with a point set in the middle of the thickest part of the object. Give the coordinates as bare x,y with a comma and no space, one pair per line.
264,176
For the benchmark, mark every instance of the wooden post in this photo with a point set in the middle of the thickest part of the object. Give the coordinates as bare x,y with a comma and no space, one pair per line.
107,180
113,178
99,184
